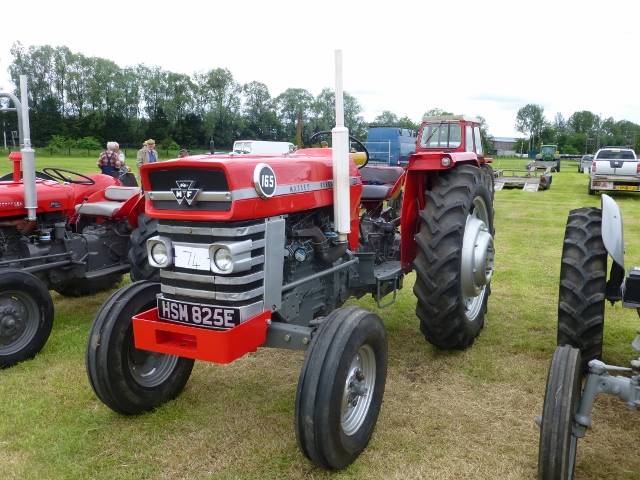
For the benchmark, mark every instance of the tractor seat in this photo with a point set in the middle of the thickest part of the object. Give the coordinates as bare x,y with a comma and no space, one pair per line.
115,198
378,181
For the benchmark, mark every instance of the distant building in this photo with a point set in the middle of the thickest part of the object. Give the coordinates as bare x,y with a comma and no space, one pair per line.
504,146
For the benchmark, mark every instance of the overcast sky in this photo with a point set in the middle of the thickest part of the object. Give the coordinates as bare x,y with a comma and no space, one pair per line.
484,57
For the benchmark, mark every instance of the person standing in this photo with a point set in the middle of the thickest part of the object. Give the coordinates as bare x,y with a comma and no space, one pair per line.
148,153
109,161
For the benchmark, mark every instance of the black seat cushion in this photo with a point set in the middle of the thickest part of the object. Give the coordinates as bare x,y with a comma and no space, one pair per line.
380,175
378,181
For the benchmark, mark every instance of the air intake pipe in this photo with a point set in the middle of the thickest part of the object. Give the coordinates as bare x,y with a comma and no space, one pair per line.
340,152
28,155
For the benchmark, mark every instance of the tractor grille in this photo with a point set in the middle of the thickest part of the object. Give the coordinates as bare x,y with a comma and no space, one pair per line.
214,189
244,290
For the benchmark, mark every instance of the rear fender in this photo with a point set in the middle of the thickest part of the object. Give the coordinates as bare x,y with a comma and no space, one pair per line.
412,202
132,209
421,166
613,239
433,161
612,229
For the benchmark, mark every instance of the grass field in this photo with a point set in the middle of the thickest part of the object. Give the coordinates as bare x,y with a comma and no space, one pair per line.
461,415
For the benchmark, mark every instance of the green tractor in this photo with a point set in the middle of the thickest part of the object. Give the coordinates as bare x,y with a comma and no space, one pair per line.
549,157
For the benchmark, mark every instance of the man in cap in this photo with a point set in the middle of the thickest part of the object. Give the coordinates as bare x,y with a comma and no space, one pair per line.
148,153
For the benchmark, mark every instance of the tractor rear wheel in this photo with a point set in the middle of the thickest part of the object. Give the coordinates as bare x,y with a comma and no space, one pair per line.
341,387
558,444
140,267
454,261
487,171
79,287
26,316
583,277
126,379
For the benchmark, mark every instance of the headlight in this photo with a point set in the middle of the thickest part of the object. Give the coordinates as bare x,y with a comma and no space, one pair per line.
159,253
223,260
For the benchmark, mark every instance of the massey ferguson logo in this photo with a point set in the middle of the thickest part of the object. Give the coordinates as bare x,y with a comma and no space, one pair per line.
185,192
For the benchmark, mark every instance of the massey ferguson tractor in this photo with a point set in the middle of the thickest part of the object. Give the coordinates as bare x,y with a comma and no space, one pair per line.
263,251
59,230
577,375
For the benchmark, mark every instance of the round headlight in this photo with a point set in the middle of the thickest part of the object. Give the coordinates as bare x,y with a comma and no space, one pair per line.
222,259
159,253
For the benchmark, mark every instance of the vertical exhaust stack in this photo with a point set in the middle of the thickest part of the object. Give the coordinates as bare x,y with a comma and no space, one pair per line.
28,155
340,151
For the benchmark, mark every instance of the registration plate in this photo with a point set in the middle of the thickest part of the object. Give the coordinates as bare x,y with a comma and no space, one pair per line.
195,258
209,316
631,188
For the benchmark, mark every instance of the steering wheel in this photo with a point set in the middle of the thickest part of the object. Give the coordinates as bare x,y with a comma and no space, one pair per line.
59,174
353,139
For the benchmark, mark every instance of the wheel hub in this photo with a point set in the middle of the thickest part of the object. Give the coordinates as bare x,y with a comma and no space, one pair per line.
476,266
150,369
358,390
18,321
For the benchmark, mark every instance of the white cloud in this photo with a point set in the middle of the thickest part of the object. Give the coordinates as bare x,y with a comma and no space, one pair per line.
479,58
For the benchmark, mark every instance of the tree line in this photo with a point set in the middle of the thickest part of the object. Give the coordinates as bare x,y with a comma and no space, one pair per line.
583,132
92,100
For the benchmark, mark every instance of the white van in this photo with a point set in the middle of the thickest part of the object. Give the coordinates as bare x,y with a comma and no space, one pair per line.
261,147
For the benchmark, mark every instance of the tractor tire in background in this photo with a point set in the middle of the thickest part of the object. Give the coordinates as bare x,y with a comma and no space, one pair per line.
126,379
79,287
487,171
557,447
583,277
140,268
26,316
341,387
454,261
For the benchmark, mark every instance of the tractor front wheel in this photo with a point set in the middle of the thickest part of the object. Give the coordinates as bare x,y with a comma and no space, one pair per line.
583,277
126,379
454,261
341,387
558,443
26,316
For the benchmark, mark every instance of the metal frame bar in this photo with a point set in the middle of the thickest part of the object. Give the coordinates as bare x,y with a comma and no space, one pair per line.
315,276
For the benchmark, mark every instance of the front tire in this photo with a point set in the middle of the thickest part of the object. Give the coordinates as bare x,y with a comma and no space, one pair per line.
454,261
126,379
583,277
26,316
138,256
558,444
341,387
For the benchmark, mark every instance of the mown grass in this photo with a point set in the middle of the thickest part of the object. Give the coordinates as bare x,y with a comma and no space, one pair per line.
445,415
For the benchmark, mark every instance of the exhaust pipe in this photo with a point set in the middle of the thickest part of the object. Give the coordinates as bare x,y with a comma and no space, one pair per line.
340,152
28,155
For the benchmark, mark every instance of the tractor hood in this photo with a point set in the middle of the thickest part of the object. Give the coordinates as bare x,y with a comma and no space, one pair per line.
227,187
52,195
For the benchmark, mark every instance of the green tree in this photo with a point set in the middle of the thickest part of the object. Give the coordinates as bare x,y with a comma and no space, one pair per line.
290,105
436,112
386,119
530,121
260,120
584,122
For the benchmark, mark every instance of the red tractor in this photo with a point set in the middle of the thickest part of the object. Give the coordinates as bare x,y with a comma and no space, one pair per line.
263,251
59,230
